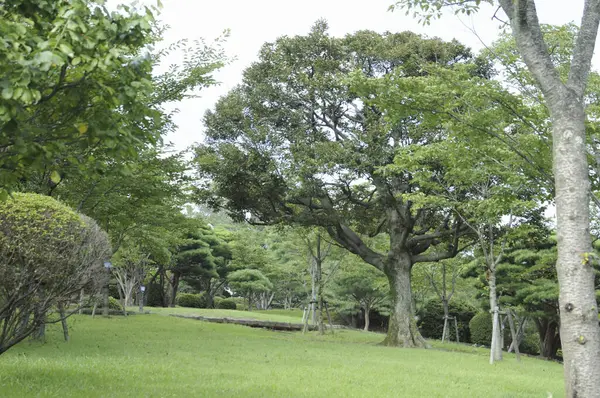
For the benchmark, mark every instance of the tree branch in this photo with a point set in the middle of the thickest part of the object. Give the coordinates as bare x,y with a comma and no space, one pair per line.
584,48
530,41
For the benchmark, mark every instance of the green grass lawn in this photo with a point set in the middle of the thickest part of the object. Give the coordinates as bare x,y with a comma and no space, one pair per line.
160,356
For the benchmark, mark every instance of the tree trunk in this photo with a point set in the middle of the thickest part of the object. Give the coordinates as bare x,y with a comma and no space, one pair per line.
313,291
402,329
210,295
496,345
63,321
81,301
141,300
578,308
319,283
367,315
549,337
445,332
175,286
105,301
122,300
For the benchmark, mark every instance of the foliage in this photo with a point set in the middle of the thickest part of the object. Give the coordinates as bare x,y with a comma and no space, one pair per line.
154,295
191,300
358,287
249,281
79,81
240,352
114,304
48,253
431,319
301,141
226,304
480,327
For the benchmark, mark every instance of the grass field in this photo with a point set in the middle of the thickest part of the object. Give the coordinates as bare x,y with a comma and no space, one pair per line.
161,356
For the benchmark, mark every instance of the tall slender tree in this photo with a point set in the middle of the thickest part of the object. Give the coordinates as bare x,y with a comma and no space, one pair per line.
565,101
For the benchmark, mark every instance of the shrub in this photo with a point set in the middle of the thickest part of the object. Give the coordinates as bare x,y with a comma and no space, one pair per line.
431,319
226,304
154,295
191,300
114,304
481,328
48,254
531,340
216,301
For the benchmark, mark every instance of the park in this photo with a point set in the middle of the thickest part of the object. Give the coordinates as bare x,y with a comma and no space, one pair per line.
360,213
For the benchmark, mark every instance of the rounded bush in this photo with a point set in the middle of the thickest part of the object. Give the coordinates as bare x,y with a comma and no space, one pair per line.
216,301
191,300
226,304
481,328
114,304
431,319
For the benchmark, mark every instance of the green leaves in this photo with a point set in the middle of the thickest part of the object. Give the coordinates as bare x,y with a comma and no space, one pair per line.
67,63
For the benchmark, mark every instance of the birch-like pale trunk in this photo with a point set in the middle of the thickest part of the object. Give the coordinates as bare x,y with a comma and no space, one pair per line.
496,345
580,334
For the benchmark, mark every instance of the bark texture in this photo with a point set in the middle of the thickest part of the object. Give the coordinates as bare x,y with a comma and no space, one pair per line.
579,329
496,346
402,329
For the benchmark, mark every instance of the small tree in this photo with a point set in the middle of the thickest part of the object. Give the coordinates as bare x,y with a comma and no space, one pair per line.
364,285
248,282
48,253
444,290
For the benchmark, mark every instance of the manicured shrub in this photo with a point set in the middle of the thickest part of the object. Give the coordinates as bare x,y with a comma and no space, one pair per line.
114,304
226,304
191,300
49,253
431,319
216,301
481,328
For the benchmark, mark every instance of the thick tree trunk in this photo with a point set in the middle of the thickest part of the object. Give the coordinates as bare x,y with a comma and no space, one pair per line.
496,345
402,329
578,308
367,320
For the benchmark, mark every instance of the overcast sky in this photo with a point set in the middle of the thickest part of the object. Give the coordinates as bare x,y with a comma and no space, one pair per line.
254,22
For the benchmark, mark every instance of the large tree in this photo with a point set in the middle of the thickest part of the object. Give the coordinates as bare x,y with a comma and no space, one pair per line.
564,99
295,144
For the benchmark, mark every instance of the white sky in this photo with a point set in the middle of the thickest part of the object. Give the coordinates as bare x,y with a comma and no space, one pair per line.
254,22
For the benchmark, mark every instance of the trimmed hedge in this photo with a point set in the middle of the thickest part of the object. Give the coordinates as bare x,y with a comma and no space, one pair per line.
226,304
481,328
191,300
431,319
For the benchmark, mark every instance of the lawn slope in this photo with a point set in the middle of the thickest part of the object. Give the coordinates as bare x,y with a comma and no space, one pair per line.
162,356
